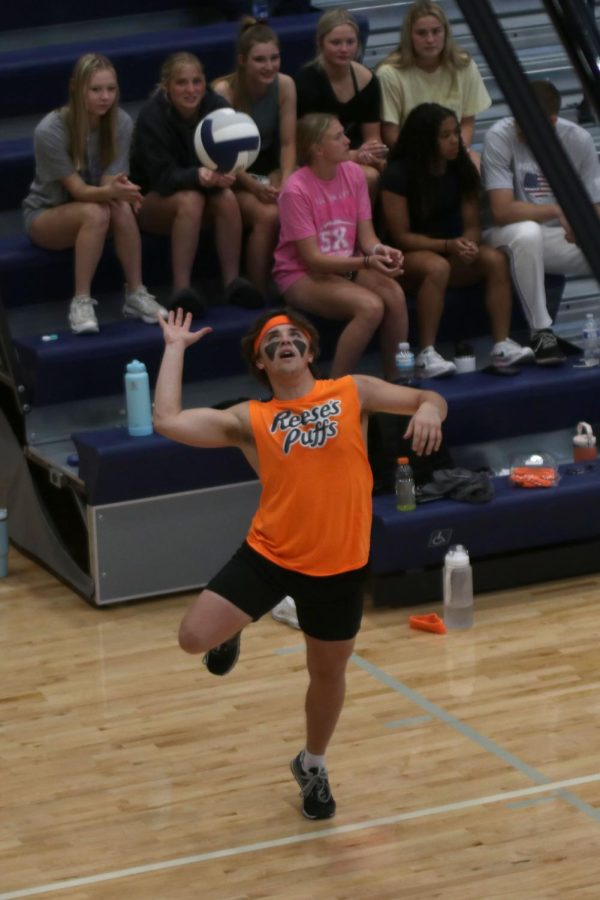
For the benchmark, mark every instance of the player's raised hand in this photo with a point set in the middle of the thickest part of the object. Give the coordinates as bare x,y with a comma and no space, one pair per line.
177,329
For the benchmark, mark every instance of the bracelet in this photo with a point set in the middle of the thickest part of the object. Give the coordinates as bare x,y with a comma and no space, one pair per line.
367,263
375,246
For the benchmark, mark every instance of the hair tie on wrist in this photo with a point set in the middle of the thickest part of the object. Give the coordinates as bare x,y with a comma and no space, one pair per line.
367,263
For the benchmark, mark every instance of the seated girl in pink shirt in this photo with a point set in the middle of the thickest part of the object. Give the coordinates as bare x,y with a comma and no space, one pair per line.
329,260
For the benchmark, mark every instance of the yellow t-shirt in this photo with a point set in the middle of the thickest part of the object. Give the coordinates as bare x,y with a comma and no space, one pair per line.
315,507
462,91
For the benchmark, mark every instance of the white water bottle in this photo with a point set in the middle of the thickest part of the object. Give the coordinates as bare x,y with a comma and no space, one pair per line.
591,341
458,589
405,363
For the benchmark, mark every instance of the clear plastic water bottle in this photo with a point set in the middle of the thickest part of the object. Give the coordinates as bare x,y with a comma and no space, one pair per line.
405,363
458,589
137,394
3,543
591,341
405,486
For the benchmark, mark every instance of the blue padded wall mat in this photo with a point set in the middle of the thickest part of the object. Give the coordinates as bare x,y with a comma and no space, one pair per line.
516,519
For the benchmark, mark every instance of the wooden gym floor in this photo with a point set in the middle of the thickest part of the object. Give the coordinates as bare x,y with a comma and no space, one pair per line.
465,767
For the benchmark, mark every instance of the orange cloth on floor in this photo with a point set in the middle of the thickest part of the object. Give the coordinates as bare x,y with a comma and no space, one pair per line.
315,508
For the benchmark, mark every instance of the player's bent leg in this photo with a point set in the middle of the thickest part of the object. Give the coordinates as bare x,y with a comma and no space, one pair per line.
213,625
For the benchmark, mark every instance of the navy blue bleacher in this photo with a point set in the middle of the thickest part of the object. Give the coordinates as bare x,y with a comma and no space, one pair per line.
16,166
67,368
75,367
33,14
137,59
482,408
109,465
517,519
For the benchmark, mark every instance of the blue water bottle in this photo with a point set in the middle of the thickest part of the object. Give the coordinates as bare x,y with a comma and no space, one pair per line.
3,543
137,393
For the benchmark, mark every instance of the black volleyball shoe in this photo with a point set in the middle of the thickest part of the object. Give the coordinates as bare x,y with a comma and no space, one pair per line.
221,659
318,800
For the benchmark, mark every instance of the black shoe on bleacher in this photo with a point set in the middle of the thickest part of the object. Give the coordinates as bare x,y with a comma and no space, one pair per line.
190,301
546,348
242,292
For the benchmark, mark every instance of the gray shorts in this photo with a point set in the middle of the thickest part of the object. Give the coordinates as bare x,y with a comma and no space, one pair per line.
29,217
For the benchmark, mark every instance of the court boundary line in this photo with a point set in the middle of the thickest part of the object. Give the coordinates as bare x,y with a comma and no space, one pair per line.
471,733
183,861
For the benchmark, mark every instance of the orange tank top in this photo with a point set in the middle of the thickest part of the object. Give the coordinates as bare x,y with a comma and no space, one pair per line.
314,514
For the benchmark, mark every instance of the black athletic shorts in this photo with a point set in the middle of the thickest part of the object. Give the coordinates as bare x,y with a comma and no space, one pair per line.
329,607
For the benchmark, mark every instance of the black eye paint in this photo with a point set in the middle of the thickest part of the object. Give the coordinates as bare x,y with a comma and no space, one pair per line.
271,349
273,346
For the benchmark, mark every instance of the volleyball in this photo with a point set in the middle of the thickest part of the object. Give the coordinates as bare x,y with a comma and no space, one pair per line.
227,141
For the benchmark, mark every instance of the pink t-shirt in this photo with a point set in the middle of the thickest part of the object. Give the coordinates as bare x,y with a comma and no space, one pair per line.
329,210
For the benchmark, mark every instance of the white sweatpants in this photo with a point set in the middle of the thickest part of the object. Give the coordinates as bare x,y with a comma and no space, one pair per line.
532,250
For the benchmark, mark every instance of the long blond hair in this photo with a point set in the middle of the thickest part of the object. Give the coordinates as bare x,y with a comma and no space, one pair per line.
331,19
76,115
252,31
452,56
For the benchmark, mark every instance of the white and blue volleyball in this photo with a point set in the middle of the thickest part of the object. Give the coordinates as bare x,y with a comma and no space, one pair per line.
227,141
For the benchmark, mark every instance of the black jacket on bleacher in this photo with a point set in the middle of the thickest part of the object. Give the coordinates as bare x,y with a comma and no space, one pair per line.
163,158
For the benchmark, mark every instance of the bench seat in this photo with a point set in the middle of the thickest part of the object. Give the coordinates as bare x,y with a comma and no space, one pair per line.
516,519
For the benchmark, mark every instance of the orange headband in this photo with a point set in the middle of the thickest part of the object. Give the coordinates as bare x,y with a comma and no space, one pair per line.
273,322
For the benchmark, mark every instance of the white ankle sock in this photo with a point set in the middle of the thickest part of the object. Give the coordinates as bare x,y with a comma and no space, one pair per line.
311,761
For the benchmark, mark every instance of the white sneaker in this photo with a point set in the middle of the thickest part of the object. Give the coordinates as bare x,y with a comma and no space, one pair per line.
508,352
82,317
429,364
142,305
285,612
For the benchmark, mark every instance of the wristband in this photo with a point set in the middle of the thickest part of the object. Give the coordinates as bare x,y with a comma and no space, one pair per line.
367,263
375,246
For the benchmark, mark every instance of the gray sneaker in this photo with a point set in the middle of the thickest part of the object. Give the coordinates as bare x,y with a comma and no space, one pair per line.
82,317
142,305
317,799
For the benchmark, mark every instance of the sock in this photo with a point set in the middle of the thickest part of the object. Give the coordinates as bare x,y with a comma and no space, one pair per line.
311,761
